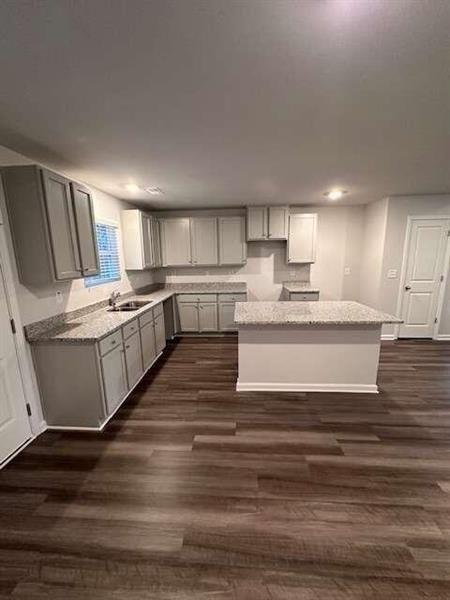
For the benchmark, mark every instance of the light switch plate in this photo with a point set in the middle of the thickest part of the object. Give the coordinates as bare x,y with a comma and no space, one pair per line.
347,271
392,274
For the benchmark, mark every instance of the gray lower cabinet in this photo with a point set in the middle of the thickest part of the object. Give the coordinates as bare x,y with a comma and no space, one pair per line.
304,296
204,313
148,344
114,376
207,316
226,316
133,359
82,384
188,316
52,225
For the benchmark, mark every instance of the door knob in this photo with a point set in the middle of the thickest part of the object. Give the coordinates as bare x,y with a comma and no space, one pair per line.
407,287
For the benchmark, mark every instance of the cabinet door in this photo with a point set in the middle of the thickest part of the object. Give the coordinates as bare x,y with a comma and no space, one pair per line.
232,244
278,222
302,238
204,240
114,378
133,358
160,333
85,224
256,223
207,312
148,344
188,314
156,242
61,225
176,242
147,248
226,316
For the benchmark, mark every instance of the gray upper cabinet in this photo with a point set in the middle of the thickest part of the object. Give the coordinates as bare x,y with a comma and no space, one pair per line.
140,238
257,223
85,222
278,222
49,242
267,223
204,241
302,238
232,244
176,242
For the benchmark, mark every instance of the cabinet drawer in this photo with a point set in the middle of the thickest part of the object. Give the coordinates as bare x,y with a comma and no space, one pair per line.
232,297
158,310
130,328
304,297
197,297
110,342
147,317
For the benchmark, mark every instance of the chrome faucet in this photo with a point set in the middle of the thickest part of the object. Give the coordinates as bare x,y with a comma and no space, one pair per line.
112,300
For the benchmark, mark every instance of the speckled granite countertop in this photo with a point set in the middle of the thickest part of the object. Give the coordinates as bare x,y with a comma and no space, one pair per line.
309,313
302,287
95,325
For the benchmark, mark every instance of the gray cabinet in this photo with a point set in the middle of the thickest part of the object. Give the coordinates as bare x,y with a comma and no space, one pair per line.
141,240
188,316
85,222
176,242
267,223
232,243
302,238
52,225
114,378
204,241
207,316
133,359
227,305
160,333
82,384
304,296
148,344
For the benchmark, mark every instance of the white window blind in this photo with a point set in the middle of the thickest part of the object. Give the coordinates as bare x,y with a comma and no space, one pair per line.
108,252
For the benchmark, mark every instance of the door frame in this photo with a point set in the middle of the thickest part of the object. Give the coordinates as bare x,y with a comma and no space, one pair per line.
440,300
23,352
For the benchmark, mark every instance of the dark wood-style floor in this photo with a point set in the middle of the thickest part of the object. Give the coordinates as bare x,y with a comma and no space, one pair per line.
196,492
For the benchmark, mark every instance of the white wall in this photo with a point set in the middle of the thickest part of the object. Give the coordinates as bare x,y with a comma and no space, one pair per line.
338,245
39,303
374,231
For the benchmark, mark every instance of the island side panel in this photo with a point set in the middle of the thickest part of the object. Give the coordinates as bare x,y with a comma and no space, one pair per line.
309,358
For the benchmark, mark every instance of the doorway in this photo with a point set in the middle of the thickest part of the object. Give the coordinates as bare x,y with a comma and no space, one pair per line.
425,252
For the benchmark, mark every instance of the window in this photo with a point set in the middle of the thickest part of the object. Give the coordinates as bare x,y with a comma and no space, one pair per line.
108,252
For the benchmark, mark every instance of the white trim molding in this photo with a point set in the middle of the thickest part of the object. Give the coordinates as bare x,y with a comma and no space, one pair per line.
442,337
386,337
348,388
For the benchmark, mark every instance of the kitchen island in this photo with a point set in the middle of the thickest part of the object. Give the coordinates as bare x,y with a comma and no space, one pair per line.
331,346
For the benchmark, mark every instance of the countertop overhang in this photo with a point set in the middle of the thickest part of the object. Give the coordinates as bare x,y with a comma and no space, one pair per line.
310,313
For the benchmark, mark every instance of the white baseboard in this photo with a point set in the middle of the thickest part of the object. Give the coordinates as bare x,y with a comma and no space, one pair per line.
442,337
352,388
17,451
385,337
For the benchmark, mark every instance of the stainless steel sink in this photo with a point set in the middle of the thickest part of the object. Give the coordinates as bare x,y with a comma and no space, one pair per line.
129,306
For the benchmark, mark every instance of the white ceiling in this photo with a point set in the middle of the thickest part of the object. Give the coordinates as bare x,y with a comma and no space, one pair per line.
231,102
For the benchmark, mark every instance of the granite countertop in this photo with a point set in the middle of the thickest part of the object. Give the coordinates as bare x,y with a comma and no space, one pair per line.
309,313
302,287
95,325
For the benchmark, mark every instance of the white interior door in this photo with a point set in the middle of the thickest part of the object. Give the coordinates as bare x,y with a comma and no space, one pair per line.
15,427
425,258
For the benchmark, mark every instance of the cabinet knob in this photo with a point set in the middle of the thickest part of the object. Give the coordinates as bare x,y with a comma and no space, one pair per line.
113,342
127,346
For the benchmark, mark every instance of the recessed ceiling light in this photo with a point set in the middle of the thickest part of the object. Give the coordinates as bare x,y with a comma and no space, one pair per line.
154,191
133,188
335,194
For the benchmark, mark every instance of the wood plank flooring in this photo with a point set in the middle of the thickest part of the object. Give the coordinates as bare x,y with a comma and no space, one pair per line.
197,492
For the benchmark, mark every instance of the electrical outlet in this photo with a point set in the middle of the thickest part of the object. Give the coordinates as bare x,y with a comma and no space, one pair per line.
59,297
347,271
